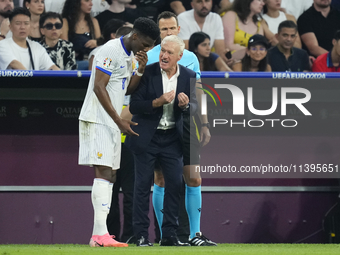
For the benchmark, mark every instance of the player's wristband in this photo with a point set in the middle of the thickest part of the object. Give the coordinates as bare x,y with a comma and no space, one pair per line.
138,73
206,125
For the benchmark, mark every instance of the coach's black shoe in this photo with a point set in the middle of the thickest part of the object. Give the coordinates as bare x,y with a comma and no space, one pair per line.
201,240
172,241
142,242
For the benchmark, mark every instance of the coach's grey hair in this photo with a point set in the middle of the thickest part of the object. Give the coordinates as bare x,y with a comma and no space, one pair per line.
175,39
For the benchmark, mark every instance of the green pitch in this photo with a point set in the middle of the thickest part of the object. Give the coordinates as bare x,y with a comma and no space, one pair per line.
229,249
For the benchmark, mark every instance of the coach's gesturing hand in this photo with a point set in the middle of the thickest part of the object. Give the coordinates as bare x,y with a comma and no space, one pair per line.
183,100
163,99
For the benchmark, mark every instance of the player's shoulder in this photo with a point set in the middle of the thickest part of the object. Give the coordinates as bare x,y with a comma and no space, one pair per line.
189,54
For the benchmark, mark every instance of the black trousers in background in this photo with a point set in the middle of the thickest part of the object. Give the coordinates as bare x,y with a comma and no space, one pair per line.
125,180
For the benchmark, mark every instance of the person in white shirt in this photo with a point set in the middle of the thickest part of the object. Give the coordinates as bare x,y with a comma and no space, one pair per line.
296,7
6,7
20,53
100,124
200,18
54,6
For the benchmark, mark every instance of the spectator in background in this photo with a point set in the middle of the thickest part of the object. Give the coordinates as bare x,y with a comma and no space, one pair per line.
98,7
272,18
54,6
241,23
317,26
329,62
60,51
284,57
80,29
336,4
199,43
20,53
255,59
200,18
108,33
6,8
36,8
117,10
219,6
296,7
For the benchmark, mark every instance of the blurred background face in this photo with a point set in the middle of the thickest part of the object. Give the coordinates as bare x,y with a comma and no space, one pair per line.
336,46
322,3
20,26
36,6
6,7
203,48
256,6
257,52
86,6
168,27
51,29
273,4
202,7
287,37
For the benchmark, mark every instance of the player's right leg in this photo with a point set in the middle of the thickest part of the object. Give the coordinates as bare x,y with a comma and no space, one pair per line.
99,146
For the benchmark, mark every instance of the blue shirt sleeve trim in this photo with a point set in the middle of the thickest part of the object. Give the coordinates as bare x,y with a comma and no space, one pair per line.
103,70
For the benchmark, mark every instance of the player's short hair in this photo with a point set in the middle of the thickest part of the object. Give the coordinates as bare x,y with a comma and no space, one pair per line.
175,39
337,35
167,15
287,24
49,15
123,31
19,10
146,27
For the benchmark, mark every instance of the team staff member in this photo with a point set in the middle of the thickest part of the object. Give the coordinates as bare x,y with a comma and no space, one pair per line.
168,25
157,105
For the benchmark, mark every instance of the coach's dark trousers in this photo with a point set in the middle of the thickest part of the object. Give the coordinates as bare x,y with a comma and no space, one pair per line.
166,147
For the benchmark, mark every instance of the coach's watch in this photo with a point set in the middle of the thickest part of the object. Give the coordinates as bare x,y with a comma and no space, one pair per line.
206,125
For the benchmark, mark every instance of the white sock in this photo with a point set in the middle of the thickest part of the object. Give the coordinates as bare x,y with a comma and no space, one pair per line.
100,202
110,188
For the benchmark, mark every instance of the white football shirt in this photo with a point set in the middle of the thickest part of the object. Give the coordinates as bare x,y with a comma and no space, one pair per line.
114,60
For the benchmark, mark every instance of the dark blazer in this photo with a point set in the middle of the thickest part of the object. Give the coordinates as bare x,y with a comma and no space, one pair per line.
147,117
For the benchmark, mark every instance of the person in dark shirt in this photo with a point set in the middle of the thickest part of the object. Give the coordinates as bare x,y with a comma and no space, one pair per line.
317,26
117,10
60,51
329,62
284,57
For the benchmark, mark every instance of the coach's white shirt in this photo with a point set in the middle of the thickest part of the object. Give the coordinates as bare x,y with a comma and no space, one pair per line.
114,60
212,26
10,51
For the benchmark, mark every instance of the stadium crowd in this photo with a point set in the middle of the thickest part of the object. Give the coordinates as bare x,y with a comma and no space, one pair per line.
221,35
